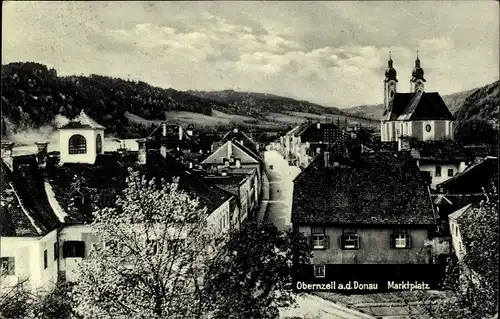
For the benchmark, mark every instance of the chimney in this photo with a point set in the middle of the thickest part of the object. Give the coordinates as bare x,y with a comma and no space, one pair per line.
189,131
142,151
229,149
163,149
318,125
180,133
238,163
42,153
7,154
191,165
235,130
164,128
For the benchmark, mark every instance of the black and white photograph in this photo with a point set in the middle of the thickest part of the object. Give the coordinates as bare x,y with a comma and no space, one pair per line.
249,159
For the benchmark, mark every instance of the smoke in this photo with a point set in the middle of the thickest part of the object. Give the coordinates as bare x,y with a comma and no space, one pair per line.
45,133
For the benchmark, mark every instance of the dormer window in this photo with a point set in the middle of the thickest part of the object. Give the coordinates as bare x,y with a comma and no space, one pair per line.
77,144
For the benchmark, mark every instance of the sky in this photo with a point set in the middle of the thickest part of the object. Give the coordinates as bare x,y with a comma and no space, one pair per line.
332,53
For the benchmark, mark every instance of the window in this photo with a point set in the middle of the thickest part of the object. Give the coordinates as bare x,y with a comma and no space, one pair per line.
73,249
428,128
98,144
318,150
401,239
391,94
438,170
319,271
56,250
349,239
318,240
45,259
77,144
7,265
450,172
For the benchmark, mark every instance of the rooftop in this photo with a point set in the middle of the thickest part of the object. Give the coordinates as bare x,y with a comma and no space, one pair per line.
97,185
418,106
374,188
82,121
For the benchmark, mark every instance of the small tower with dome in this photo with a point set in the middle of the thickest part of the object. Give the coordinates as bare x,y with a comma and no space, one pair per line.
390,83
417,77
81,140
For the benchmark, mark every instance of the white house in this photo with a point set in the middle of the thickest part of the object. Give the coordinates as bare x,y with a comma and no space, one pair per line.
456,236
47,200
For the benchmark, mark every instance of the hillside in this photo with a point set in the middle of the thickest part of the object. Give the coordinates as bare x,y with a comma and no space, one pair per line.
481,103
258,104
34,96
453,101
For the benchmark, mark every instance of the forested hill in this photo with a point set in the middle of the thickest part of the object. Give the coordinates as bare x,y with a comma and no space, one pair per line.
257,104
482,103
32,96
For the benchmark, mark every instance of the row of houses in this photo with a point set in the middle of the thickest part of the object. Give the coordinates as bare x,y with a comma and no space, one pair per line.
47,198
395,203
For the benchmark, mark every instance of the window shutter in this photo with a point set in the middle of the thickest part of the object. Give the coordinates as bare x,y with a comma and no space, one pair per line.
341,241
310,241
408,241
66,249
326,242
358,239
393,241
80,249
11,268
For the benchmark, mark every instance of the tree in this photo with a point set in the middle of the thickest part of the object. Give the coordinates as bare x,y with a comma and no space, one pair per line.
476,131
16,299
473,280
251,277
156,244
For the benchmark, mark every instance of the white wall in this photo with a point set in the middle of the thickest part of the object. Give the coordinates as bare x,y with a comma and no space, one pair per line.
456,239
28,259
79,233
90,136
457,168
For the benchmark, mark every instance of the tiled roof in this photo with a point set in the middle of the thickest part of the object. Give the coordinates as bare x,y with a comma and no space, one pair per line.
230,183
83,121
418,106
378,188
25,204
106,178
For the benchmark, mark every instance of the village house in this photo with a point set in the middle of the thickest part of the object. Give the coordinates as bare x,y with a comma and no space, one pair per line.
310,139
419,114
360,207
467,187
233,158
441,160
47,200
456,234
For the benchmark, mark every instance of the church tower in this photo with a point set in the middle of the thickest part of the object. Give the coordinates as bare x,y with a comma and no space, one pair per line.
417,77
390,84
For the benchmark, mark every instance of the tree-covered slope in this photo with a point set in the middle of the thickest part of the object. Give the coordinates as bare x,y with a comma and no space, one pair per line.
32,96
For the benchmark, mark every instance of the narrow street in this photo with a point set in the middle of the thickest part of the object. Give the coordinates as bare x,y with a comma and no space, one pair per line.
280,177
279,211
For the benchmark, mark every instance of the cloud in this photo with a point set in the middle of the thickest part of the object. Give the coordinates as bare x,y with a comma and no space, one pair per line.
332,53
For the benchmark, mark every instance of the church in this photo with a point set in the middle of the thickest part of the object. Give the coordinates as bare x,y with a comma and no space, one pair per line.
419,114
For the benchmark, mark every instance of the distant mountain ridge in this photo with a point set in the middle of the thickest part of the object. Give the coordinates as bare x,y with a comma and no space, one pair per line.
453,101
257,104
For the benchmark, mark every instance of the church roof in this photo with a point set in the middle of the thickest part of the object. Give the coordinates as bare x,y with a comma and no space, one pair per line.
418,106
83,121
